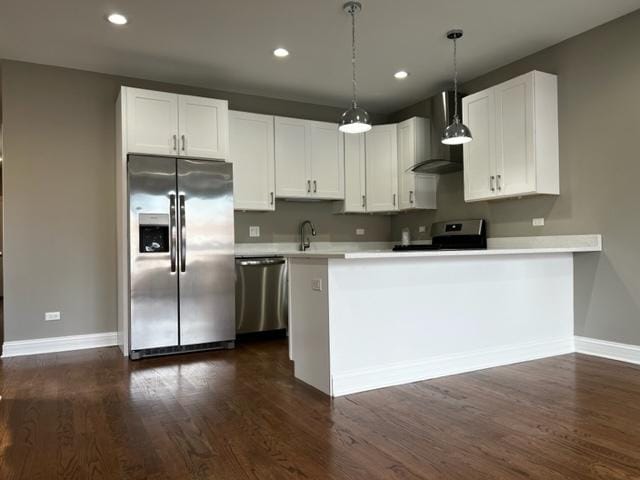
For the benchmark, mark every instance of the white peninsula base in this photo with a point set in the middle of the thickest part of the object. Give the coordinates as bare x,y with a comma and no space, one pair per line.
360,322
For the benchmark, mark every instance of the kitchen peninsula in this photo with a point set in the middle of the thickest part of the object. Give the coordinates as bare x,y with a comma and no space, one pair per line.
362,320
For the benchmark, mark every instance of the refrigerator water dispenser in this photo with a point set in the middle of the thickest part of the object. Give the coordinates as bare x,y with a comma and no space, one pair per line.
154,233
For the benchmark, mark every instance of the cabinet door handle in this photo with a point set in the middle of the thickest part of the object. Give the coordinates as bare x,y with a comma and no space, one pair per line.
364,201
410,196
271,198
394,199
315,187
175,143
499,182
184,143
308,186
491,181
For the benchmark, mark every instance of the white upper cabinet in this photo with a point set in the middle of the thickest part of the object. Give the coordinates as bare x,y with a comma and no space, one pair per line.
251,151
203,126
152,122
326,150
514,151
479,154
161,123
293,179
381,144
354,175
309,159
415,191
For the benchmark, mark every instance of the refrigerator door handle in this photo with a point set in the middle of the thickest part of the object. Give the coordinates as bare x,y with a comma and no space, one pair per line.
172,225
183,236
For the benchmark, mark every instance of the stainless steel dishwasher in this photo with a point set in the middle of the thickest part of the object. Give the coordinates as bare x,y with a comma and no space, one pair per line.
262,302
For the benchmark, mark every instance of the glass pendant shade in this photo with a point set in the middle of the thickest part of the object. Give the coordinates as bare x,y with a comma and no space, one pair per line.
355,120
456,134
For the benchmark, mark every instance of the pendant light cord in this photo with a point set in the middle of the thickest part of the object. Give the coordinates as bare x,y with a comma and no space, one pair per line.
353,55
455,80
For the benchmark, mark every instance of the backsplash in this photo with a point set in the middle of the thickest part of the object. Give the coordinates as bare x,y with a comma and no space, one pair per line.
282,224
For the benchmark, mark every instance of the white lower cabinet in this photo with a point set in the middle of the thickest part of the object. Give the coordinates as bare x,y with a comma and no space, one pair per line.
514,151
415,190
252,154
309,158
381,145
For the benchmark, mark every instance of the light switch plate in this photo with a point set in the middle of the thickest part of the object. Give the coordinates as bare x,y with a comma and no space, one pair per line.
422,229
316,284
49,316
254,231
538,222
359,231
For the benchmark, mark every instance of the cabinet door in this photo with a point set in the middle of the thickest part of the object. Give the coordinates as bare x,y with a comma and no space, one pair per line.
354,173
406,159
515,161
478,113
293,179
152,122
252,153
326,150
381,143
204,130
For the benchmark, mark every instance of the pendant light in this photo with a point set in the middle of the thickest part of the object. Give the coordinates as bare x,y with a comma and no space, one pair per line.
355,119
457,133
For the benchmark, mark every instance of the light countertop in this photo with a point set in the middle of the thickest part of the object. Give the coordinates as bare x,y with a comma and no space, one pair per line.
372,250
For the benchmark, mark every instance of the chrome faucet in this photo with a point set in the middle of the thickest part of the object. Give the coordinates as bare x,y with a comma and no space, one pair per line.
306,243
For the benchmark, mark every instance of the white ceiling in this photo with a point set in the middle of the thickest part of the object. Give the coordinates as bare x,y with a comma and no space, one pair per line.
227,44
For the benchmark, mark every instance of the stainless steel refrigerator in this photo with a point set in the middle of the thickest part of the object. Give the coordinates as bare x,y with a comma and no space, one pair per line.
181,248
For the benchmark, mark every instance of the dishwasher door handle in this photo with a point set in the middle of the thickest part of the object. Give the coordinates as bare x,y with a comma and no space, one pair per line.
260,262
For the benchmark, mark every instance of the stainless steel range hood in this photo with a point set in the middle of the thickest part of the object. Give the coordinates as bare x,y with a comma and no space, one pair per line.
442,158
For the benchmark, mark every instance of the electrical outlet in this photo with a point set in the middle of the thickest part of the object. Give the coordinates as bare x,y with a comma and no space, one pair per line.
254,231
538,222
422,229
316,284
359,231
48,316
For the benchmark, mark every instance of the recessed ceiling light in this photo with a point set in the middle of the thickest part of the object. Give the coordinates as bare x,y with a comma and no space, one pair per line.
281,52
117,19
401,75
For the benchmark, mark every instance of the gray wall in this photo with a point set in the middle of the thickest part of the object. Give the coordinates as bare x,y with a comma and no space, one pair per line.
59,167
60,201
599,113
282,225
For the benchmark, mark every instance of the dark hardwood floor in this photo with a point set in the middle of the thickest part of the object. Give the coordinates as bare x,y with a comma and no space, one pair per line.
241,415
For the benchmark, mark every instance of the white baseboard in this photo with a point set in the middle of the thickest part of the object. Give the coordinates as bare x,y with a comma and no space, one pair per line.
605,349
58,344
372,378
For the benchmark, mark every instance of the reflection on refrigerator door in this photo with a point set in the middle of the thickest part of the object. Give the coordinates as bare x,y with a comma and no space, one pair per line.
181,255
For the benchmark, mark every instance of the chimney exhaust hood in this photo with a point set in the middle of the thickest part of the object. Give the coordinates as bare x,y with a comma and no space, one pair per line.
443,158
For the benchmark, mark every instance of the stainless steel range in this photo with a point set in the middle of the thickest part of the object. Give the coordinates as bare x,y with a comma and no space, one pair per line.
453,235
